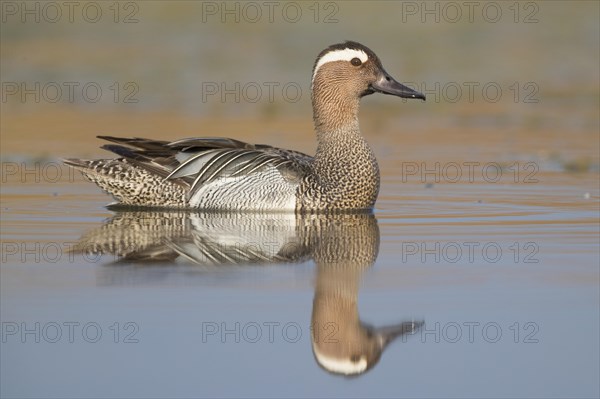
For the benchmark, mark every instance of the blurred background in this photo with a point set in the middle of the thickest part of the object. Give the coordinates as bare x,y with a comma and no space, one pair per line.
504,80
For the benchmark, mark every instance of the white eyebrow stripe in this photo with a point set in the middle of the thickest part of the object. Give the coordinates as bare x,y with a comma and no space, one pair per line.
340,55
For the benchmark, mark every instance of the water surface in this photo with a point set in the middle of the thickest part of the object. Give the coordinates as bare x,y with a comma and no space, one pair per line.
503,278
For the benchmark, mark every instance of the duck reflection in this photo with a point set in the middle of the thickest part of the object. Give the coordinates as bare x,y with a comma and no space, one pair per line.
343,247
342,344
206,239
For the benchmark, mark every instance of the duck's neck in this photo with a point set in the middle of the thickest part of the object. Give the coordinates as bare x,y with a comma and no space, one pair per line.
332,111
335,118
344,161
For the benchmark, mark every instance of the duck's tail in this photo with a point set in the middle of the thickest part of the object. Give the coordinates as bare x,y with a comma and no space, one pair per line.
130,184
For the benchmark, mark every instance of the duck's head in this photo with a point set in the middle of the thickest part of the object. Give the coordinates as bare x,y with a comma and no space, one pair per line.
353,70
355,349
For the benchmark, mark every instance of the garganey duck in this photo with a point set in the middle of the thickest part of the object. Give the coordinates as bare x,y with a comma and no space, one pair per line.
221,174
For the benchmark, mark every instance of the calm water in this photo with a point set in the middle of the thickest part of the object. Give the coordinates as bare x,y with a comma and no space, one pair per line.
493,292
476,276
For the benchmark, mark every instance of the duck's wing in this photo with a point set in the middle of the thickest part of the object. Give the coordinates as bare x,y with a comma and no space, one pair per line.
198,161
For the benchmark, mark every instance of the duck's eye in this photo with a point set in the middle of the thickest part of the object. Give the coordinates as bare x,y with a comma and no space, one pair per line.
355,61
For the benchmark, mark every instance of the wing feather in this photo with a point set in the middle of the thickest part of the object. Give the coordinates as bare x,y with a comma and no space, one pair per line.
195,162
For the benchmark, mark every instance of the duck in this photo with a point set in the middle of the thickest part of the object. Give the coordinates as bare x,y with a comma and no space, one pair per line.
225,174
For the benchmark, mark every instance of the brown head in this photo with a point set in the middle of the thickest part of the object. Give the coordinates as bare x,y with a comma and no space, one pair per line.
342,74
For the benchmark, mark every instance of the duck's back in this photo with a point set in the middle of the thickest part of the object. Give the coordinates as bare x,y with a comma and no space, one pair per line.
200,173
